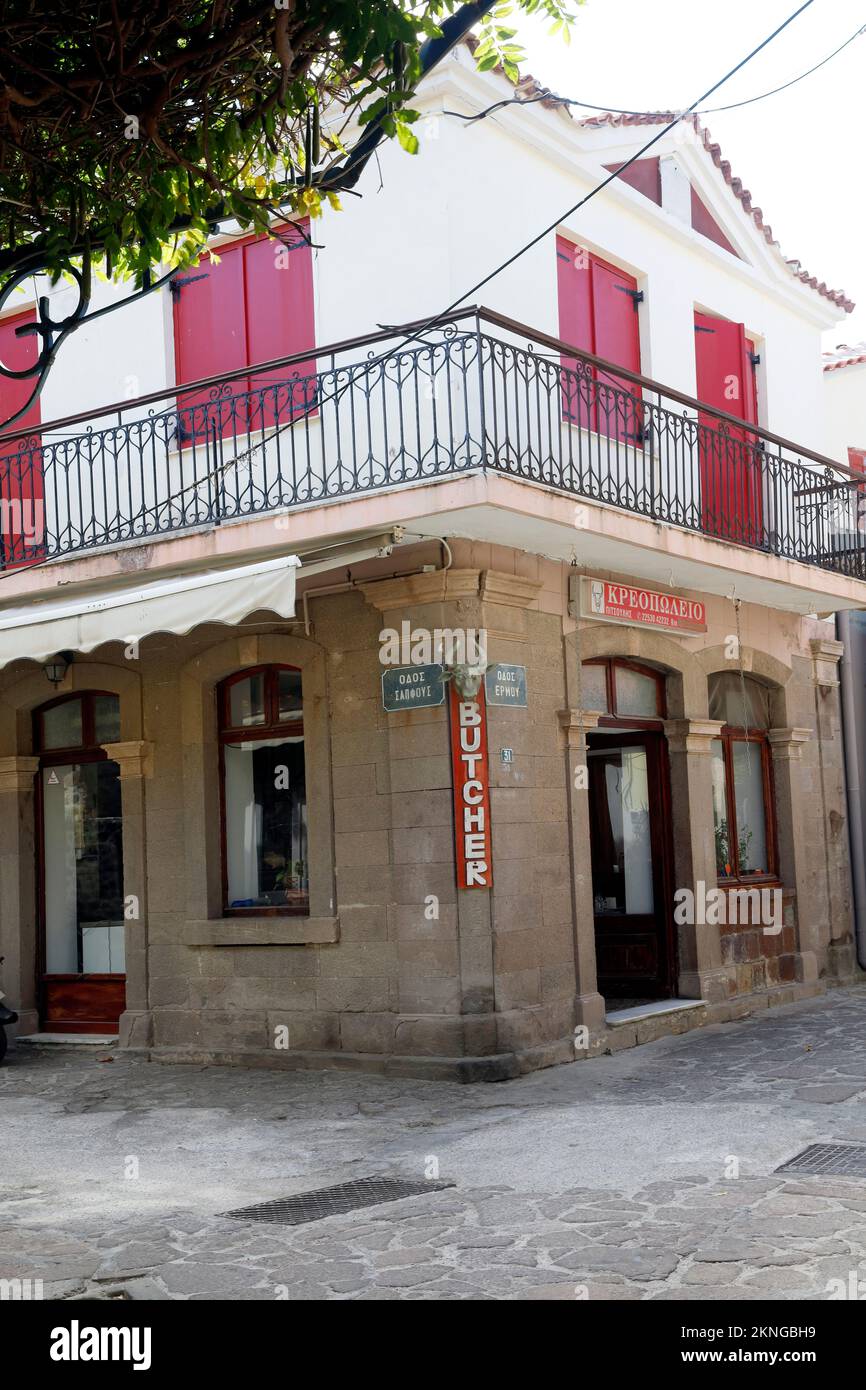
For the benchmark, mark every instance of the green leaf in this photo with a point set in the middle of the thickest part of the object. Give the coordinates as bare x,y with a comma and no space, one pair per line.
408,139
225,123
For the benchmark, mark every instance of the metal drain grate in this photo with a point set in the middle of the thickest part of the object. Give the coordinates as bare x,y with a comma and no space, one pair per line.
331,1201
837,1160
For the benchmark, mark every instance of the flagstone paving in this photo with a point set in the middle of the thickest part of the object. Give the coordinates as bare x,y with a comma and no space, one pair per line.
644,1175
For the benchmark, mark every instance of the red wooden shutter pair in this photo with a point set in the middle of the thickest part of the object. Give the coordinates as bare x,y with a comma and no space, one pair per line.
256,304
730,459
857,461
597,313
22,505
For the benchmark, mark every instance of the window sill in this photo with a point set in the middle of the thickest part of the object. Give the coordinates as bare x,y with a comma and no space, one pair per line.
262,931
731,885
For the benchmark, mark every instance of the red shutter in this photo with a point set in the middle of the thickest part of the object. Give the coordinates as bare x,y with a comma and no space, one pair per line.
597,313
857,461
575,294
209,334
255,305
22,515
750,390
724,369
279,322
730,462
575,327
617,339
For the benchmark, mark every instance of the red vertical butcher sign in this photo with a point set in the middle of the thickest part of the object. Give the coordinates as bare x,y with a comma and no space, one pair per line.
471,777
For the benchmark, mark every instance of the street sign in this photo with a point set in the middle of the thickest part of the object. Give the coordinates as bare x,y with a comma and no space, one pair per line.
505,684
412,687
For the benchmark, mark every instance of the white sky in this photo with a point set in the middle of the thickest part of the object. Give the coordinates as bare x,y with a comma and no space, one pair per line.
800,153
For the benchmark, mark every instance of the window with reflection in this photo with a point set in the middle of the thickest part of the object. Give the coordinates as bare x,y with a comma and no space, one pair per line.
742,778
263,786
622,689
81,835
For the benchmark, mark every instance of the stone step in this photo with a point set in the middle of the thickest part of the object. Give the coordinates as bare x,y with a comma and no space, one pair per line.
67,1039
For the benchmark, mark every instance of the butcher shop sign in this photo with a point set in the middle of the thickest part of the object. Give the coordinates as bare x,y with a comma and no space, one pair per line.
471,776
624,603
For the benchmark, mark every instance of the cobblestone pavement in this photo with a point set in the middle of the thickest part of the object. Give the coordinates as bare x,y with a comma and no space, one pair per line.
613,1178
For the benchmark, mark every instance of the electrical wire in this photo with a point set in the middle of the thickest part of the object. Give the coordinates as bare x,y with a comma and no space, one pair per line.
437,318
548,95
569,212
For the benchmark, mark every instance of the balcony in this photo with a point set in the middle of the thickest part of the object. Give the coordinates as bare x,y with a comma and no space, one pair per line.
478,393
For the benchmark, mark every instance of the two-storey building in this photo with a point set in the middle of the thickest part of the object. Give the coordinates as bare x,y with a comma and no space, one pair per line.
255,806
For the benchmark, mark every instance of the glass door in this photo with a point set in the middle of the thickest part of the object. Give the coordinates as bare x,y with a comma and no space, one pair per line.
82,976
83,869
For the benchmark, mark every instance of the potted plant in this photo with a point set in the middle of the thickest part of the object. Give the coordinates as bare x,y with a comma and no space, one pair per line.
293,879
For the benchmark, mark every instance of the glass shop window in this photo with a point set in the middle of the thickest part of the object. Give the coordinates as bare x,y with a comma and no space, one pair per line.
623,689
742,778
264,798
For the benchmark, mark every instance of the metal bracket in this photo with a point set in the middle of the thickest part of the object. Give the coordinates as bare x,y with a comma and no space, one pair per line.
636,296
177,284
54,332
342,176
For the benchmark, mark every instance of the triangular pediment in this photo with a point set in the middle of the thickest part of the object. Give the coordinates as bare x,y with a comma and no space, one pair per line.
645,175
716,204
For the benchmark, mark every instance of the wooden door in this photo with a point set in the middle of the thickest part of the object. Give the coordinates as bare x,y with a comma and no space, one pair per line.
630,851
82,980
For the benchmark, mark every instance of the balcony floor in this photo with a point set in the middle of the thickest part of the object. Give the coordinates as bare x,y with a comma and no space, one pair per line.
485,507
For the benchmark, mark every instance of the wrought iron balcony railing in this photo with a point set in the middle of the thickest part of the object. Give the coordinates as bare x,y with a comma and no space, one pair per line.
478,391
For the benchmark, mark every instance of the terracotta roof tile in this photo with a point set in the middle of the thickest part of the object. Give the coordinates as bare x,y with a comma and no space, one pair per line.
844,355
529,88
713,149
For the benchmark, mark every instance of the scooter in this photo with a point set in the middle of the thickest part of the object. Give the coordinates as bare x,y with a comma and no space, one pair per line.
7,1016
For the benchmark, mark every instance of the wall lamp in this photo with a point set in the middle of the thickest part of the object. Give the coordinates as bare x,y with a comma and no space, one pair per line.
56,666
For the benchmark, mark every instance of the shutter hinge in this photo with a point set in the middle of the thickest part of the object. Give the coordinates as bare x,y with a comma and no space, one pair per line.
177,284
755,358
637,296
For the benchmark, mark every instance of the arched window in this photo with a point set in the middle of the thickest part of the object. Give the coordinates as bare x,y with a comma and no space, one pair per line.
77,721
742,778
80,849
263,790
622,689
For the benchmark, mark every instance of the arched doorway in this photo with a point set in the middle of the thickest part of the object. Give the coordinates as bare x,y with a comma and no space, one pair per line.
628,783
81,981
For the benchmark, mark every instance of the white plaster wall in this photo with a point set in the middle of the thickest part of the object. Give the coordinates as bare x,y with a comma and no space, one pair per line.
441,221
124,354
427,228
845,402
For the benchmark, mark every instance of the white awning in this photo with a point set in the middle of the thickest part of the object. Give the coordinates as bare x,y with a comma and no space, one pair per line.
117,614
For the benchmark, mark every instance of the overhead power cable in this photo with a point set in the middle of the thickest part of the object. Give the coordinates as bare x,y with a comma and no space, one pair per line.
548,95
569,212
546,231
